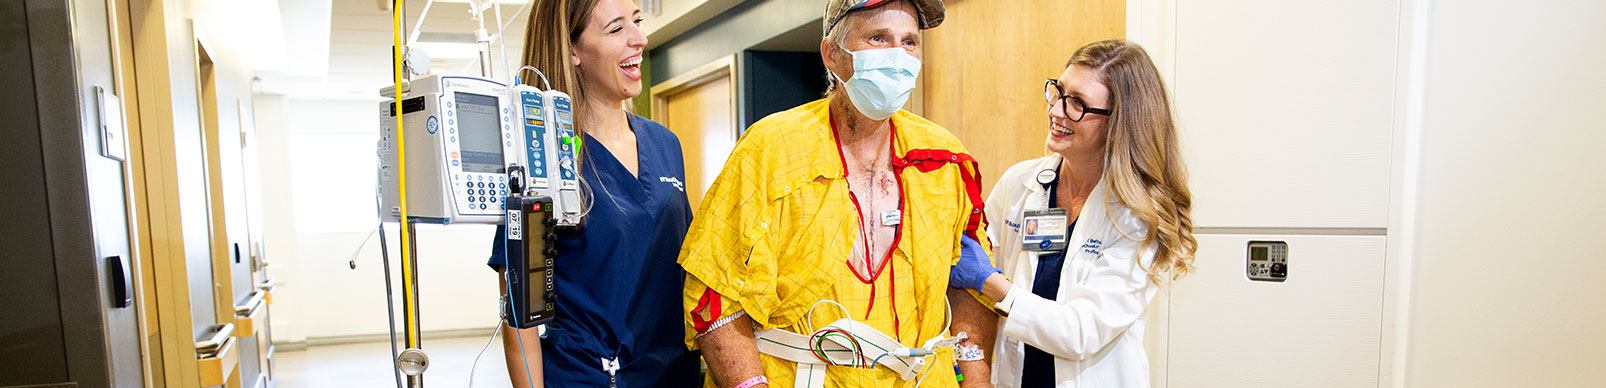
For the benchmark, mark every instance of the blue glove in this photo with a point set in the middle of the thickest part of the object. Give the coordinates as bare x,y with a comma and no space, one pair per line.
973,268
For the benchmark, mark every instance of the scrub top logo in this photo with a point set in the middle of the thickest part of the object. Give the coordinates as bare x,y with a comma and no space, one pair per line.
433,125
673,181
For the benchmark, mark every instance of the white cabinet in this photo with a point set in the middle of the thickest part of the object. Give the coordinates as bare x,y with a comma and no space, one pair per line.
1286,110
1319,328
1385,141
1287,113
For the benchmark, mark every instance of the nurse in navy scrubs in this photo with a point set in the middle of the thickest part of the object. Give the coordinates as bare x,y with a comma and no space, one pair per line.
618,287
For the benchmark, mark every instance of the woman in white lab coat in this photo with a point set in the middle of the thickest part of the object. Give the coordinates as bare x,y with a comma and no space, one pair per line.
1111,208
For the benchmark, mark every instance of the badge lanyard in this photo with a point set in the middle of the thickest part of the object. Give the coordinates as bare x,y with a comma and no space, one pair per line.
1045,230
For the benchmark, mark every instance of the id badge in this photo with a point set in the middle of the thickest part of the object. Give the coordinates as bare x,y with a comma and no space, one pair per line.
891,217
1044,230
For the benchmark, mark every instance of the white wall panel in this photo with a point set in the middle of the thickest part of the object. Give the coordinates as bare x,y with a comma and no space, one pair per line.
456,290
1508,287
319,202
1320,328
1286,110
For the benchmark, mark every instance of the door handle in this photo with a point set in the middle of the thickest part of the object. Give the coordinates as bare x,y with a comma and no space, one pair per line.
258,261
251,303
122,287
266,288
212,344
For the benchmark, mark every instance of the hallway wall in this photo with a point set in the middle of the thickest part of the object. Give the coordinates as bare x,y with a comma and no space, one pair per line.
1438,156
1506,273
161,77
319,194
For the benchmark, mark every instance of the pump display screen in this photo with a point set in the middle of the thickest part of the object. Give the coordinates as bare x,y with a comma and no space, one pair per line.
480,129
1258,254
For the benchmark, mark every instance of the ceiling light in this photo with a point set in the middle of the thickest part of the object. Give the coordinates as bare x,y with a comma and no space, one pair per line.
446,37
446,50
515,2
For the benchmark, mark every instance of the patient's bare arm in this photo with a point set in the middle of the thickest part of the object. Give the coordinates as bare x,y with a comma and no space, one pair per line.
981,326
731,353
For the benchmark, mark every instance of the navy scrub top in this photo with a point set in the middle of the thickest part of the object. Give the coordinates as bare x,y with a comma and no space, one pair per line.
1038,368
617,284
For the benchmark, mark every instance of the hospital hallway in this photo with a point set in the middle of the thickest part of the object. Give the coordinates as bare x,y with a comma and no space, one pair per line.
366,364
1068,193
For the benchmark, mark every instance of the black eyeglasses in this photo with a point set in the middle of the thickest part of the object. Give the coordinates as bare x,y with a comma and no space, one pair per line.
1073,107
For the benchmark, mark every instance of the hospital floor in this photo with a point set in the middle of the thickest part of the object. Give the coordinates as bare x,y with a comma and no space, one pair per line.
368,365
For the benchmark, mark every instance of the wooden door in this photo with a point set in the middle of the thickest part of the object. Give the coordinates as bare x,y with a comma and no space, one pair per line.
700,109
224,255
256,262
238,301
985,66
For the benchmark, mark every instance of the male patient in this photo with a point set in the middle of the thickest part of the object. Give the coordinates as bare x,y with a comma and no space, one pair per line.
846,207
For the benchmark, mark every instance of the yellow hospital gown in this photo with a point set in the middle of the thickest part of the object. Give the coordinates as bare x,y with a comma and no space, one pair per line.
774,232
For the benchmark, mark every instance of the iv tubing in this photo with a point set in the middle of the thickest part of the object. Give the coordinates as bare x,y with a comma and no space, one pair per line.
390,303
384,256
508,274
544,84
503,42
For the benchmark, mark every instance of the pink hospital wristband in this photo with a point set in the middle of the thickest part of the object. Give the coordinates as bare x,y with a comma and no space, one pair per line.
756,380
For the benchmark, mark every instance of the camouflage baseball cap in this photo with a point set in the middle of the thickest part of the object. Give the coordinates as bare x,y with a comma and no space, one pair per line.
928,11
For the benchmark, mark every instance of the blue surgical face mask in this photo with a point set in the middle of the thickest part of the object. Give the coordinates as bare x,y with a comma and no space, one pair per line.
882,80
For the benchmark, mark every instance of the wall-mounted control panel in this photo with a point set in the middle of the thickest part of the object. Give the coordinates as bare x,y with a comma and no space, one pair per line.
1267,261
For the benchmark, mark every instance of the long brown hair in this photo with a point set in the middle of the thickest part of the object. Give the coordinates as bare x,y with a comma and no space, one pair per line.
551,33
1144,163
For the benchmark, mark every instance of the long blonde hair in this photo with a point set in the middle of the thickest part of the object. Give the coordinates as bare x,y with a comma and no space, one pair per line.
1143,163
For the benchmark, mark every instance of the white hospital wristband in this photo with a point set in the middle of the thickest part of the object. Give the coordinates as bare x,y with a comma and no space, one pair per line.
968,352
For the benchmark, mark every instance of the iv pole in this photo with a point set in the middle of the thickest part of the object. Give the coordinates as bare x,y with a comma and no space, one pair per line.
413,361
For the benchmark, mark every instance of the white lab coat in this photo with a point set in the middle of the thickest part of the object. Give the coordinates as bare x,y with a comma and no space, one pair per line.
1094,326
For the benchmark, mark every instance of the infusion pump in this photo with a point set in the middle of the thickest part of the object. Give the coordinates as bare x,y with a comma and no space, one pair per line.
464,136
550,148
481,152
460,142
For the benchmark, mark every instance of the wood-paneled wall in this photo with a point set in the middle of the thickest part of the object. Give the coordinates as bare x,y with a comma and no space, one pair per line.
984,70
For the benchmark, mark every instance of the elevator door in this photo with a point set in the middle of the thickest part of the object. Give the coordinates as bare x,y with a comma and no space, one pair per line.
67,291
101,144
